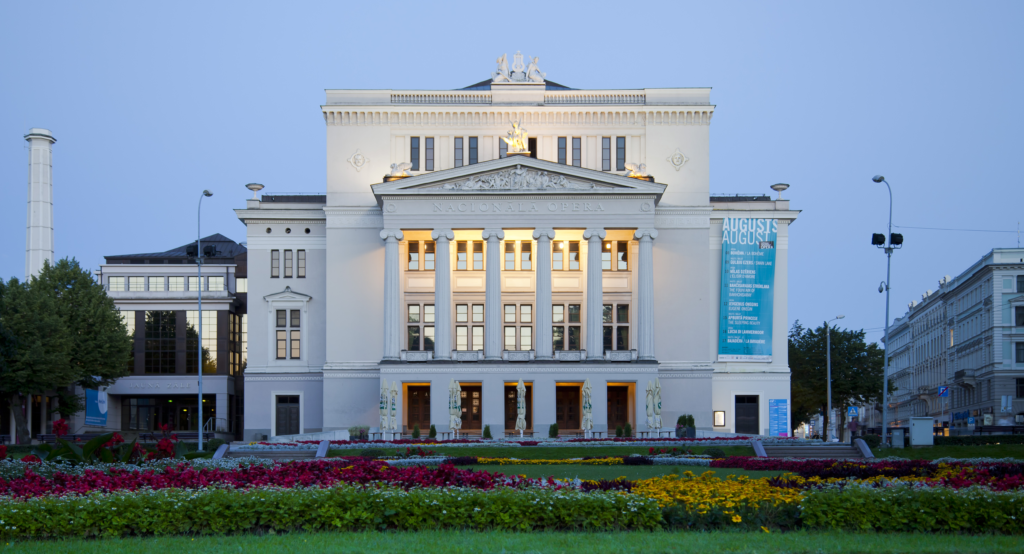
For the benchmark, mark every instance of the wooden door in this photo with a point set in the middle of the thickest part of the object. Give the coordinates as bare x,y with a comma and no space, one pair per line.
747,412
567,407
287,415
618,408
511,411
417,408
472,407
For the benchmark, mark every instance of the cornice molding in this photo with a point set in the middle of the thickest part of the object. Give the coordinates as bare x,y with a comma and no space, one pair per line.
557,115
520,369
263,378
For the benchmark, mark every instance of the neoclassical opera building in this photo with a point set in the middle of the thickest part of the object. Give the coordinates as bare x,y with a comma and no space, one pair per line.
587,246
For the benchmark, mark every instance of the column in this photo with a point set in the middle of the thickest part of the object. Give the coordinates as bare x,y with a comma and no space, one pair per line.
442,293
542,312
645,294
492,300
595,295
392,303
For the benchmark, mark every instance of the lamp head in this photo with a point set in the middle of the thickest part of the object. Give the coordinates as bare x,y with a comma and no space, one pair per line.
878,178
207,193
840,316
779,187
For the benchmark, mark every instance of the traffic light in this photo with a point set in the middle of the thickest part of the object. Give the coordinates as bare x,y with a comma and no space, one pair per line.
895,239
878,239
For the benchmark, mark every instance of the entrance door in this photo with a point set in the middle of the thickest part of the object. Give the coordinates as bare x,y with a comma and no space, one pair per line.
618,407
567,407
747,413
511,411
287,415
472,407
417,410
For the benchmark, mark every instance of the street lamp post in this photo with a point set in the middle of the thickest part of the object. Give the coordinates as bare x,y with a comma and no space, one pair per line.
895,241
828,357
199,264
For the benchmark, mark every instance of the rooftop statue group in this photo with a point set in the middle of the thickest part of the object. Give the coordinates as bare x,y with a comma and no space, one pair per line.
520,73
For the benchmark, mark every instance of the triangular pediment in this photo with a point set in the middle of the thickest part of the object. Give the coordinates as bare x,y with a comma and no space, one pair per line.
287,294
517,175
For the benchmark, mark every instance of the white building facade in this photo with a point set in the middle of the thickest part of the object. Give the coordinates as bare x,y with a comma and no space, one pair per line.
489,267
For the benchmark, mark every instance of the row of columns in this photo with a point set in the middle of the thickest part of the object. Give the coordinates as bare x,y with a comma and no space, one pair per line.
492,299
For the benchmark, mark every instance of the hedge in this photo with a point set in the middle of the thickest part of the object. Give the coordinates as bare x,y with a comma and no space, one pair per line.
978,440
906,508
345,508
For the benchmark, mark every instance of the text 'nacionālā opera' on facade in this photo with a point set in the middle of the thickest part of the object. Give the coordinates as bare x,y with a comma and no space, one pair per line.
516,230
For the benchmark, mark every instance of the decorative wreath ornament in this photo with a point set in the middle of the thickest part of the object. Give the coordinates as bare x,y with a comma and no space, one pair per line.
677,159
358,160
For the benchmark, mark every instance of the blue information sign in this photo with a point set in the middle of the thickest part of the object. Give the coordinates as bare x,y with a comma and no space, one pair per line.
95,408
778,417
748,289
943,391
851,411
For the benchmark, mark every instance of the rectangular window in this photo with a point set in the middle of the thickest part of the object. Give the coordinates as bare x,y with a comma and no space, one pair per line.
510,338
558,314
136,284
414,313
478,256
282,318
428,255
296,340
510,255
429,154
609,332
458,152
244,347
413,337
461,337
414,152
462,313
428,313
623,313
472,150
478,337
215,283
282,344
606,313
478,313
574,337
156,284
287,263
414,256
622,251
209,341
510,313
561,150
526,313
460,256
622,338
526,256
620,153
176,284
577,151
1020,352
526,338
574,255
428,337
300,268
296,318
606,153
116,283
574,313
1018,312
558,337
502,148
193,283
160,334
1020,283
557,257
275,263
606,256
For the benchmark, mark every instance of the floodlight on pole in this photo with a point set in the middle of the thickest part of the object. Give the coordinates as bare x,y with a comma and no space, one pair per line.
895,242
199,264
828,357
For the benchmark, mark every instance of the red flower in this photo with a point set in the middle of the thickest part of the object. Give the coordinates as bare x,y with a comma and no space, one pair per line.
114,441
3,452
60,427
31,458
165,448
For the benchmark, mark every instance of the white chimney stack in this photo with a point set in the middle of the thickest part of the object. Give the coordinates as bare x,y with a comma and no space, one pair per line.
39,235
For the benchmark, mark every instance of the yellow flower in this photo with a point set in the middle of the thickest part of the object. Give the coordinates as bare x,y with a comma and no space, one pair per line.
765,529
736,518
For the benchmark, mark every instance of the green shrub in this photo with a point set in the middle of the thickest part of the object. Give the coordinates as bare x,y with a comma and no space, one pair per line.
873,441
359,433
433,431
341,508
553,431
618,431
487,432
714,452
372,453
681,421
690,421
978,440
213,444
416,431
628,431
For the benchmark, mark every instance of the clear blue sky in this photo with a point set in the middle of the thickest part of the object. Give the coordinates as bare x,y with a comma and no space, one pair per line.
152,103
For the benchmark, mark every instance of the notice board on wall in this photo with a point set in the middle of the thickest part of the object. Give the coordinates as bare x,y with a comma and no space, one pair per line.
748,289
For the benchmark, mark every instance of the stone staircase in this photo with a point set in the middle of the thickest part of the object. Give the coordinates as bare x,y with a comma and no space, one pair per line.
225,451
826,450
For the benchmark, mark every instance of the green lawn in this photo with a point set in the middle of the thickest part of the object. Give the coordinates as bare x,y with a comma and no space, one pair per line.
595,473
933,452
475,542
544,452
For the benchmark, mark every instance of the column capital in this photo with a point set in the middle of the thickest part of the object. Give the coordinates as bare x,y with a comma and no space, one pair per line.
641,233
438,233
599,233
385,234
497,233
549,233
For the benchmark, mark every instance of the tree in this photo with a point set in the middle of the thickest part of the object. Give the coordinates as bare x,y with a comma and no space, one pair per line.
66,331
856,371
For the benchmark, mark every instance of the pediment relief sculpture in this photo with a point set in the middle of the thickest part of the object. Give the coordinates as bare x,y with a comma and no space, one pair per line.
519,178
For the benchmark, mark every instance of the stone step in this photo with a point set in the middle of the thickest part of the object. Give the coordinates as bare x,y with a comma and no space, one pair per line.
272,455
812,452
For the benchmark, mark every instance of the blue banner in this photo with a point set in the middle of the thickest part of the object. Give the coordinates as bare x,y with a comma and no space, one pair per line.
778,417
95,408
748,289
